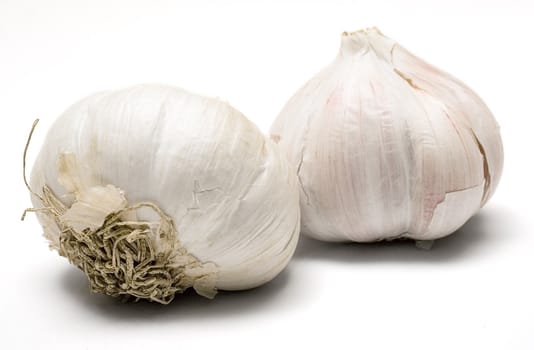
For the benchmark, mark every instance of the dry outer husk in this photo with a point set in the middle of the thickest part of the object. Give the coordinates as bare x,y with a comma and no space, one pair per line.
121,256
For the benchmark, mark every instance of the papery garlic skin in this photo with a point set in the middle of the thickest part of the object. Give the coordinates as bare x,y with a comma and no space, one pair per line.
231,193
387,146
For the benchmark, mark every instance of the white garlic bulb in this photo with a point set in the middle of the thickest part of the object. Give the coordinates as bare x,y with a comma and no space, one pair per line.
388,146
151,190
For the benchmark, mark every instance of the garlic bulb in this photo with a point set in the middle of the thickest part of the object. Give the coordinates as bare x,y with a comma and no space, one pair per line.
387,146
151,190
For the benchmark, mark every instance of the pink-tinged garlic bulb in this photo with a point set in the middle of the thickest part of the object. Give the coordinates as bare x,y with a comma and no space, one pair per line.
388,146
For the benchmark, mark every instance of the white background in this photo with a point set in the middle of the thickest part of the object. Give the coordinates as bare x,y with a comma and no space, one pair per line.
473,290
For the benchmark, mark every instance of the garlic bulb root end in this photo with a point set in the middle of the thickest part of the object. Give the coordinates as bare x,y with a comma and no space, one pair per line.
122,256
424,245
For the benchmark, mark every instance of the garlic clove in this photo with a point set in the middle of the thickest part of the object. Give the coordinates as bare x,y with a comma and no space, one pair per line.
467,108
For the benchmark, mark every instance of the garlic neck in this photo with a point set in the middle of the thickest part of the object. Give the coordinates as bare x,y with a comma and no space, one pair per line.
364,41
